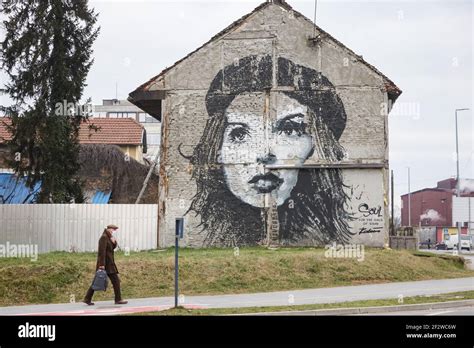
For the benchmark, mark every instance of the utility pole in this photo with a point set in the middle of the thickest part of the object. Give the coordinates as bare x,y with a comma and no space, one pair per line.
458,187
392,227
469,219
409,198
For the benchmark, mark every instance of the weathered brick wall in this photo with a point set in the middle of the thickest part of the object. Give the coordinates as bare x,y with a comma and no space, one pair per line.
352,202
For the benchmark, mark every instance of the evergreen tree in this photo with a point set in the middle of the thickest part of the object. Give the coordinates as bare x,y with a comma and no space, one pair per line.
46,53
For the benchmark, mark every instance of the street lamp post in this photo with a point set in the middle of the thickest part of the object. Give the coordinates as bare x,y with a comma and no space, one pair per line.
409,198
458,193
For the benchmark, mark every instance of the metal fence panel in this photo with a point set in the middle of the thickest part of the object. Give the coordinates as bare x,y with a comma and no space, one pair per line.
77,227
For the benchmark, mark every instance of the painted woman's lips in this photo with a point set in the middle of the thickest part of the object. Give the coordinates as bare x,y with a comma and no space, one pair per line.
266,183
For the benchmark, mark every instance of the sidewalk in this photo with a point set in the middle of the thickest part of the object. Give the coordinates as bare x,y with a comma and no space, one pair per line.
468,256
280,298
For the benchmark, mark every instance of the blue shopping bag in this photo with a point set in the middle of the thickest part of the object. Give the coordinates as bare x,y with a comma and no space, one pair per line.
100,281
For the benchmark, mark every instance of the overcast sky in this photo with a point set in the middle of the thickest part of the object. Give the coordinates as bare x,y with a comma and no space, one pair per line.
425,47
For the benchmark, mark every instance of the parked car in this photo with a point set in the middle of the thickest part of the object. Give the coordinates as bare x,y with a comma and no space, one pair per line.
426,245
441,246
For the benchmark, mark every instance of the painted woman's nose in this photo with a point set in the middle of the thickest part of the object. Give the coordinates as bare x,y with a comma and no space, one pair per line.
269,158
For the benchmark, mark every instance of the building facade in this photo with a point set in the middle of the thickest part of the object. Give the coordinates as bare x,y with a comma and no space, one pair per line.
273,133
439,206
115,108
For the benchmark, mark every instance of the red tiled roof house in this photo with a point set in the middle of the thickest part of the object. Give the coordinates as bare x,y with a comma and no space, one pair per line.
126,133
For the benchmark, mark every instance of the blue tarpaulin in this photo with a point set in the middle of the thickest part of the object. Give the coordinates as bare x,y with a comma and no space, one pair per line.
13,190
101,197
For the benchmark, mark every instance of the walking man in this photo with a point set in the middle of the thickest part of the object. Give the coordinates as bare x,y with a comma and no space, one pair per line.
105,260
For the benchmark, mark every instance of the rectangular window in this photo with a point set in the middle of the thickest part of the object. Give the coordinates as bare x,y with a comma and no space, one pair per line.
153,139
145,118
113,115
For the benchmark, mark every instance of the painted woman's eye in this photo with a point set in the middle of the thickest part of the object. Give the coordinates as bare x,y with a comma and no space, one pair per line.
239,134
290,127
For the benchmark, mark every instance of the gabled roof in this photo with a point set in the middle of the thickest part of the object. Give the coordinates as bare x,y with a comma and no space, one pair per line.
392,90
114,131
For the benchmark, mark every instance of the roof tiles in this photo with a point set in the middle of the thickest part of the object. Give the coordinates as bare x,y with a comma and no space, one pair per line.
116,131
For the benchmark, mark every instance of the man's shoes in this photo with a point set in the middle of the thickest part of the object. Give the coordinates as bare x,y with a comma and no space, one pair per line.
89,303
121,302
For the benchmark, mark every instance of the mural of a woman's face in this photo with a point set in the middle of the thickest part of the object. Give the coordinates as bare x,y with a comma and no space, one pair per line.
251,140
253,123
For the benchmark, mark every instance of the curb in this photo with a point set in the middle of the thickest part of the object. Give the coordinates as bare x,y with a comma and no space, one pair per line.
369,310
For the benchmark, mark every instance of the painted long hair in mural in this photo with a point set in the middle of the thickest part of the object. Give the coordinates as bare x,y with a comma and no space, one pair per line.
250,130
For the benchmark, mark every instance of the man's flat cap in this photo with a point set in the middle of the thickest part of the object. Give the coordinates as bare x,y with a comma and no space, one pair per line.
112,227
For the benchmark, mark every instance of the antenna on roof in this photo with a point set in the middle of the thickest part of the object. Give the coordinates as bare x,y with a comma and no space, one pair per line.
313,40
116,90
315,12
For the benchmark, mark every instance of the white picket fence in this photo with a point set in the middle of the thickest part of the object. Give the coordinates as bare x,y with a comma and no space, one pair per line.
77,227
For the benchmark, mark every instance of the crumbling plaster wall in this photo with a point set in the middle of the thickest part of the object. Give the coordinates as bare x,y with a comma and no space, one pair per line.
276,32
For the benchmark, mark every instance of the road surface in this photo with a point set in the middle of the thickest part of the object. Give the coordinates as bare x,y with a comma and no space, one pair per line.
281,298
434,312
